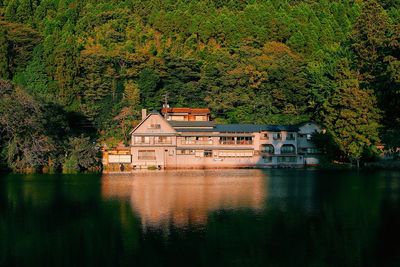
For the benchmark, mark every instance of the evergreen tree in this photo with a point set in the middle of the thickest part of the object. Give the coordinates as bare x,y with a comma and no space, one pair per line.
4,72
132,94
369,40
350,115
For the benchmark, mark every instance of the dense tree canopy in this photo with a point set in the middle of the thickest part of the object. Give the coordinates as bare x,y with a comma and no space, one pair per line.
258,61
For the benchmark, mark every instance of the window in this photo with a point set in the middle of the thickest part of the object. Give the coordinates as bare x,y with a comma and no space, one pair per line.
309,136
184,152
227,140
288,149
200,118
199,153
197,140
208,153
267,159
265,136
235,153
162,140
142,140
146,155
244,140
268,148
177,118
287,159
277,136
154,126
290,136
312,150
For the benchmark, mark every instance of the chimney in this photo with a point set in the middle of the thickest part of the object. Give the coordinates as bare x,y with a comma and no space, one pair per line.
144,113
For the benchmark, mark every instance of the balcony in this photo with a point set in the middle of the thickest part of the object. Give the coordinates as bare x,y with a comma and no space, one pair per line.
290,137
244,142
288,150
236,140
163,142
196,142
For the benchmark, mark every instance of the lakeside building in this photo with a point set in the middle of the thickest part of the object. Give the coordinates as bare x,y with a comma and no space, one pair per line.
187,138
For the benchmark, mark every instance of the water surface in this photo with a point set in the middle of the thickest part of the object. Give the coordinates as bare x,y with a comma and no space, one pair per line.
201,218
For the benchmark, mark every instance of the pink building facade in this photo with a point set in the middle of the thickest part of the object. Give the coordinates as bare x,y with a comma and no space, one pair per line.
161,141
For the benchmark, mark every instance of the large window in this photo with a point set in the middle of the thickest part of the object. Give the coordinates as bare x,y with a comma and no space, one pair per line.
267,159
142,140
227,140
146,154
184,152
244,140
288,149
177,118
290,136
312,150
203,153
264,136
200,118
208,153
162,140
267,148
197,140
277,136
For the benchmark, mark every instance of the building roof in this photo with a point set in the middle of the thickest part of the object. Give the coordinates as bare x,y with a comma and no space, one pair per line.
209,126
247,128
188,124
186,110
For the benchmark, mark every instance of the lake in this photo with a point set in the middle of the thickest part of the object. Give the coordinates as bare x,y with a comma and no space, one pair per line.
277,217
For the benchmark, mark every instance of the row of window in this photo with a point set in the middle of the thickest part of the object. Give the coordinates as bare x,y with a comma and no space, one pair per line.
285,149
157,140
151,155
207,140
278,136
219,153
195,140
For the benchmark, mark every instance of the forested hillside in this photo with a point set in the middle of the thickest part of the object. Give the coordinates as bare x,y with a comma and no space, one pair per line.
74,70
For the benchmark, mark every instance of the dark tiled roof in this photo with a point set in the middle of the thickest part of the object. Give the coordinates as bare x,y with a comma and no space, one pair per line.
247,128
195,130
194,126
191,123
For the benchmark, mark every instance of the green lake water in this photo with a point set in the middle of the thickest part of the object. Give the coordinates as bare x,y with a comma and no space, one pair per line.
201,218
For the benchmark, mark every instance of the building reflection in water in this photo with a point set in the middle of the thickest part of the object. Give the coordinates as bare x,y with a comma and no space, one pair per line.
182,198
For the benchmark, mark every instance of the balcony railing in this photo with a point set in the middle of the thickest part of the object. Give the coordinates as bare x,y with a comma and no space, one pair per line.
237,142
196,142
244,142
163,142
268,152
227,142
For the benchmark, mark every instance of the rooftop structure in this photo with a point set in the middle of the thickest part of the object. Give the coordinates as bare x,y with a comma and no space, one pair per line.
186,114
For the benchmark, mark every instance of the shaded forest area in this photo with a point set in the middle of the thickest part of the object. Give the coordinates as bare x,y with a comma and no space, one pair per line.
74,74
